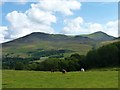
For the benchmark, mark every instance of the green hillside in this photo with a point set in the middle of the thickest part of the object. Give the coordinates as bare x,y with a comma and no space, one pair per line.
99,36
38,42
107,42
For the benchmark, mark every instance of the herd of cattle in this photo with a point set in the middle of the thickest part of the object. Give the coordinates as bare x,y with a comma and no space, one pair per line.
64,71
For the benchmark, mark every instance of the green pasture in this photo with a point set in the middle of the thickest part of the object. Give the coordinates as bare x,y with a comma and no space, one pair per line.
40,79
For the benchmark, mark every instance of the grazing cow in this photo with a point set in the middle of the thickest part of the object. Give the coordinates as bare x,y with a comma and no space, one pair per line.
63,71
82,69
52,70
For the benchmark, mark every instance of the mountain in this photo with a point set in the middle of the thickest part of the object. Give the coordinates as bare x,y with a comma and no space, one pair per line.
38,44
38,36
100,36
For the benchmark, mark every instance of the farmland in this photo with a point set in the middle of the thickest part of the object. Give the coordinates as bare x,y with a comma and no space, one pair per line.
40,79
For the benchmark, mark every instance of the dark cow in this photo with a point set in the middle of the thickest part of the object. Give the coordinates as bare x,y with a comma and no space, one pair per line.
63,71
52,70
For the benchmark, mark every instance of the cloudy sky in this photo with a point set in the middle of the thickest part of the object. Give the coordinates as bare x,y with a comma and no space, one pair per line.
70,17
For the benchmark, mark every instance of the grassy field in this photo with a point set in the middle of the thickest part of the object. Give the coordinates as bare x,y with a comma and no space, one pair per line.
39,79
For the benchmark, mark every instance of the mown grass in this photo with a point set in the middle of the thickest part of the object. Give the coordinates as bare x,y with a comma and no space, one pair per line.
39,79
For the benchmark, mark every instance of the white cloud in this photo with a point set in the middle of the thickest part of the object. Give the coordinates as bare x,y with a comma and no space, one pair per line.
94,27
63,6
112,28
79,26
22,24
39,16
3,33
73,26
19,24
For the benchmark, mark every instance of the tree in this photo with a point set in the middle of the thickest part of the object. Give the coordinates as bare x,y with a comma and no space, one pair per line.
19,66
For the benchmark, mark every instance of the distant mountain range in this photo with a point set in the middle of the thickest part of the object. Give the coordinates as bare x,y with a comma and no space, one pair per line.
38,36
80,43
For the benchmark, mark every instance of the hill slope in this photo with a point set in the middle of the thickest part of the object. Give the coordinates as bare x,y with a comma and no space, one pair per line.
100,36
37,43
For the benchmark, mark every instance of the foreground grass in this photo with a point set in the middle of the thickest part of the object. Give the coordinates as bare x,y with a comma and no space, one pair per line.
38,79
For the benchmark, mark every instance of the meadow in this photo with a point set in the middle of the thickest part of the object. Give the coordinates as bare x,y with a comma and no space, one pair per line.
40,79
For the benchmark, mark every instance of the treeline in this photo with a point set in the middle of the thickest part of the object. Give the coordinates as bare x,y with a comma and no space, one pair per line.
48,53
105,56
15,62
71,63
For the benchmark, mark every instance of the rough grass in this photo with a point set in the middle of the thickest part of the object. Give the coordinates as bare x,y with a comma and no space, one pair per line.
22,50
39,79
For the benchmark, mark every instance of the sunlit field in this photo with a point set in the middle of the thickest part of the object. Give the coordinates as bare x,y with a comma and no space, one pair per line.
39,79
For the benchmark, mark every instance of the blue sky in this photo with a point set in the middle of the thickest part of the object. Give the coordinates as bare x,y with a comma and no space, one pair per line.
82,18
98,12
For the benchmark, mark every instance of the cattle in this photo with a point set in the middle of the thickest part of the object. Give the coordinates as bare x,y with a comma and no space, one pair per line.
82,69
63,71
52,70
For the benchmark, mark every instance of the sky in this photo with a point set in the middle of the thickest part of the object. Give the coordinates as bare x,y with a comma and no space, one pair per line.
69,17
